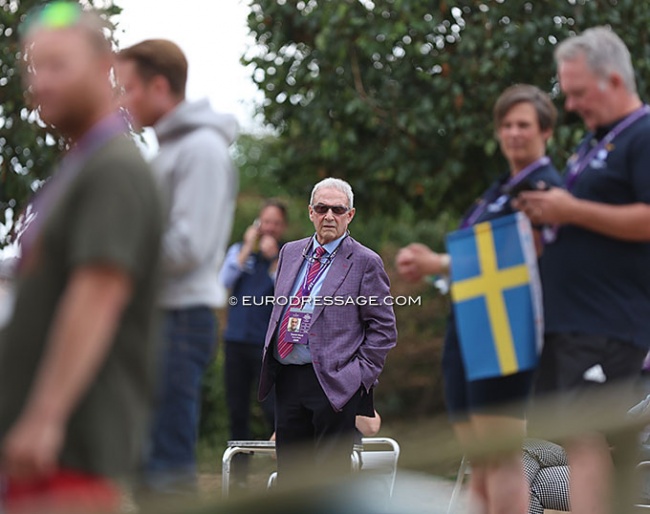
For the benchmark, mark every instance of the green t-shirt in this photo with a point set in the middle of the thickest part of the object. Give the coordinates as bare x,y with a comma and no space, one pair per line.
109,214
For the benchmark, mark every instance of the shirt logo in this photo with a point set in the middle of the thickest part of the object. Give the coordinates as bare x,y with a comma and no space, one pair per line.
498,204
599,161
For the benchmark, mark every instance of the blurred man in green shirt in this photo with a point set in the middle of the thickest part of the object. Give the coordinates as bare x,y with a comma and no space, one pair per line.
77,355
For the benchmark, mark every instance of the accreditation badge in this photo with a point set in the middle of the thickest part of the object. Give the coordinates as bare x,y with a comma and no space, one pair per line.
298,326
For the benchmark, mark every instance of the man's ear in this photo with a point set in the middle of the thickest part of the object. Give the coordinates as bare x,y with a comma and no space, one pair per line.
159,85
616,80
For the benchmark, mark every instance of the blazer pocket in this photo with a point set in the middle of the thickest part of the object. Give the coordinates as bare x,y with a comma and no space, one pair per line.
349,367
342,364
350,373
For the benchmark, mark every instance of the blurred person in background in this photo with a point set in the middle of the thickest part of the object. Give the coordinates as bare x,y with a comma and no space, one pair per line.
199,187
595,264
524,117
76,356
249,272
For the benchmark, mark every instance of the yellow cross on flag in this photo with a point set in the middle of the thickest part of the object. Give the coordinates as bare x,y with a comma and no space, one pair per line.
496,295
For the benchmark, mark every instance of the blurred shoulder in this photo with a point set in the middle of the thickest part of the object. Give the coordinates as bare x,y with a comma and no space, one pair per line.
119,168
550,175
123,157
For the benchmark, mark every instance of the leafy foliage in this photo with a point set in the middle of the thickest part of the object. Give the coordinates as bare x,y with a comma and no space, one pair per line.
396,96
28,150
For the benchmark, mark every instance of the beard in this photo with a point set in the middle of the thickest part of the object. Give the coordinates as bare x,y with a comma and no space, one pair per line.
67,119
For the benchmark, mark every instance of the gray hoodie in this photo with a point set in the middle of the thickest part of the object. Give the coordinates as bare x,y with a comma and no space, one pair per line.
199,186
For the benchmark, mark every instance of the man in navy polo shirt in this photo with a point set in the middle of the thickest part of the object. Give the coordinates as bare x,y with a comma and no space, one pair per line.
249,273
596,262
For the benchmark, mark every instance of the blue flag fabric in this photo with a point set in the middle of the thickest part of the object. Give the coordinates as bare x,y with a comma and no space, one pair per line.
497,298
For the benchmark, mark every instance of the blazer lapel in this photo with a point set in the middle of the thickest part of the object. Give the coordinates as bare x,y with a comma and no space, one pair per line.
292,259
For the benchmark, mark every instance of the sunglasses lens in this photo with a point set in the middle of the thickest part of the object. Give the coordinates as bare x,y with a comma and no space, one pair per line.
336,209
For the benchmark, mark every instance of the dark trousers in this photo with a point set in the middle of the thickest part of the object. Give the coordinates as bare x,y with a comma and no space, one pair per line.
190,339
564,379
243,365
566,358
311,438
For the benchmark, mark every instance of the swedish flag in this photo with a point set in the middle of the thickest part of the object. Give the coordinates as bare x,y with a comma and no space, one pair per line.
497,296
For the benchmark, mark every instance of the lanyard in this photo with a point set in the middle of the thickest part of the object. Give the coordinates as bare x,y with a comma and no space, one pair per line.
306,288
584,158
484,203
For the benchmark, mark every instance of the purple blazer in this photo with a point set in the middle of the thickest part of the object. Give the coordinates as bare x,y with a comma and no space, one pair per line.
348,343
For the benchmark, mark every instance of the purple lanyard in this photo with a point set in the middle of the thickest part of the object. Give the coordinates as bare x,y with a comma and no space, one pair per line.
484,203
581,161
584,158
306,287
69,167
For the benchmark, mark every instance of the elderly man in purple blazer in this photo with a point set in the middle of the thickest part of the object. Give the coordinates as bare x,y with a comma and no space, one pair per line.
331,290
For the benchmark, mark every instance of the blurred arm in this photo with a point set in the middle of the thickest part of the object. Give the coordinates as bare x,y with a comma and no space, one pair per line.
80,338
416,261
199,197
559,207
231,269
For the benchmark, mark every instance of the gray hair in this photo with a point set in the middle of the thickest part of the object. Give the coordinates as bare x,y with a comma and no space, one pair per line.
334,183
604,51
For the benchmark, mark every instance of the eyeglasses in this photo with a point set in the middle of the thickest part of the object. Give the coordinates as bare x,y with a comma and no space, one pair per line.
338,210
55,15
326,258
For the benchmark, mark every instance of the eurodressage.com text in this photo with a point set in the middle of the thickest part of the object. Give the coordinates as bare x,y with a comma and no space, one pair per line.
326,301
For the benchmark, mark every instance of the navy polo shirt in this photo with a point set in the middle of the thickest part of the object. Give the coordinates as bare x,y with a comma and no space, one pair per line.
499,204
248,323
594,284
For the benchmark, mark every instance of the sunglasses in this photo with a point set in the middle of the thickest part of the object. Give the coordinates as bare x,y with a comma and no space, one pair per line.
321,208
54,15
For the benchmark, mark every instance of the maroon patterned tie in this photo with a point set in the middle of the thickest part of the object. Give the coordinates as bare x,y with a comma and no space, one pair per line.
284,347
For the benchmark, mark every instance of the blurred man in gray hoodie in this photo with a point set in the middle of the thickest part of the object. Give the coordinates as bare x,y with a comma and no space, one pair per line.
199,186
